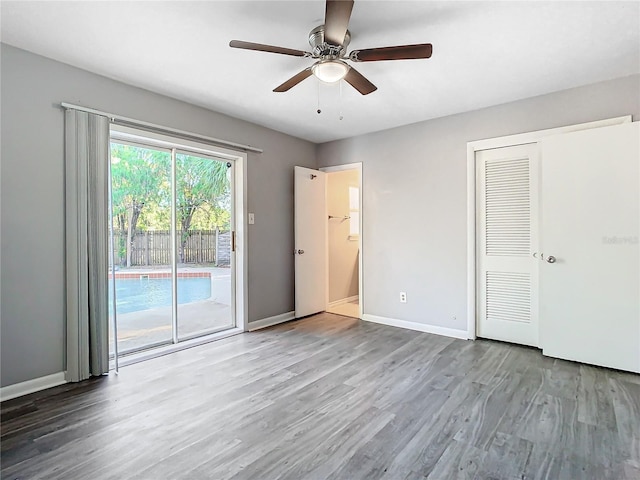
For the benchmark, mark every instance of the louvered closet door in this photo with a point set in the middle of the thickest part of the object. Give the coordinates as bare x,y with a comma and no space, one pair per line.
507,231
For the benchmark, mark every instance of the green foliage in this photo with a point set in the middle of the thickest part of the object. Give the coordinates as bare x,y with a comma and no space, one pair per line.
201,182
141,192
136,176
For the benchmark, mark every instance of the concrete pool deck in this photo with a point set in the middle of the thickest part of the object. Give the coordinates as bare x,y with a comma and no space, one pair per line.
146,327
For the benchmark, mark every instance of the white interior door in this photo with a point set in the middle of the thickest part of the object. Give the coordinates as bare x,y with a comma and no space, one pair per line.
590,295
507,233
310,234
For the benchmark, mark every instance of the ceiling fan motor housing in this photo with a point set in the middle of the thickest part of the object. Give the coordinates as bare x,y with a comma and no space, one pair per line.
329,43
322,49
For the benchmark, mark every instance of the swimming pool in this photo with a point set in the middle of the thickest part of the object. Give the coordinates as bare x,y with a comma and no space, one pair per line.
135,295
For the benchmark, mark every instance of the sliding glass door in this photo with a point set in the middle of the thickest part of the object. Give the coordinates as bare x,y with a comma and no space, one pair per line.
204,215
172,265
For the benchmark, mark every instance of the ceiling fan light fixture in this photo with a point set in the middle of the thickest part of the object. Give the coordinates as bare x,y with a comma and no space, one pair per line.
330,71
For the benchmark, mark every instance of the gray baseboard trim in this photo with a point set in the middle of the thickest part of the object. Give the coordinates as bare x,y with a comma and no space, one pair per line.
269,321
31,386
420,327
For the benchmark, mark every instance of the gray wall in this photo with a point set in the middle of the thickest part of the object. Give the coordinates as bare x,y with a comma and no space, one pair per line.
32,250
415,195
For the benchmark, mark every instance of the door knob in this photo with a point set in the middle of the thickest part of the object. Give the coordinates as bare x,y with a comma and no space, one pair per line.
300,252
551,259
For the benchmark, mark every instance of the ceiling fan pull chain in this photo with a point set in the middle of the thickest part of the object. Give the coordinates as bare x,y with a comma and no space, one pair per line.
340,117
319,111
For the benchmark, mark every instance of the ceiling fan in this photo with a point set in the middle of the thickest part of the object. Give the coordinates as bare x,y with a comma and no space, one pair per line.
329,43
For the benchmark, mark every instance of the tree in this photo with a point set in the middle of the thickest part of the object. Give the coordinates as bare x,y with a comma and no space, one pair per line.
137,175
201,184
142,193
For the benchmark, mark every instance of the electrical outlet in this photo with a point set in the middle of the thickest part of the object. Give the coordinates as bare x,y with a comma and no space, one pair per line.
403,297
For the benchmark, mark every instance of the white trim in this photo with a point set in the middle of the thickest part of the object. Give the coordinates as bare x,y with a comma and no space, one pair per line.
498,142
344,300
471,242
31,386
340,168
420,327
533,137
167,142
270,321
241,269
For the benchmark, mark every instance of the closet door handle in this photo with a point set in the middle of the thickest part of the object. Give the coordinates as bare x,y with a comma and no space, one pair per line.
549,259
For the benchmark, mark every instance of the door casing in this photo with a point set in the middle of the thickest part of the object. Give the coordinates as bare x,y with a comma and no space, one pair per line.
340,168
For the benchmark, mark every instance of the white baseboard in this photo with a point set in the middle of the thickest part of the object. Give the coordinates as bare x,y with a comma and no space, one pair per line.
30,386
344,300
269,321
421,327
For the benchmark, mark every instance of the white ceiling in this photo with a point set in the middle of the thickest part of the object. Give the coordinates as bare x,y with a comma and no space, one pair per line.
484,53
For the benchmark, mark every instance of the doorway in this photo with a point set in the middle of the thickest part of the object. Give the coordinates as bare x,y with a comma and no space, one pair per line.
173,237
344,239
314,217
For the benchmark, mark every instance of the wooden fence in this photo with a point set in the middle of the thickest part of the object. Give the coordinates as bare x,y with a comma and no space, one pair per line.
153,247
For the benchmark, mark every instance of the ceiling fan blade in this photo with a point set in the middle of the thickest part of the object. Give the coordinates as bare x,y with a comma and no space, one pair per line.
359,82
293,81
401,52
267,48
336,20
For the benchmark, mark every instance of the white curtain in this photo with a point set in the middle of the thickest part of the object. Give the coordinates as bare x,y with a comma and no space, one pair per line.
86,224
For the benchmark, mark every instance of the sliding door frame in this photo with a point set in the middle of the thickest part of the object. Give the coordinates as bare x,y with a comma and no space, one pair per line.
239,287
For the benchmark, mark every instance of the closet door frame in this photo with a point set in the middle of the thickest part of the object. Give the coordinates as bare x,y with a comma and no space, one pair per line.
498,142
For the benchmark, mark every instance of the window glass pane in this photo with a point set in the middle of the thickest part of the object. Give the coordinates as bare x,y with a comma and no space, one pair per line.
203,236
141,209
354,211
354,198
354,223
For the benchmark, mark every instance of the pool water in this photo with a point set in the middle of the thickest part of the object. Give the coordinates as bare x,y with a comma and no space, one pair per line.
134,295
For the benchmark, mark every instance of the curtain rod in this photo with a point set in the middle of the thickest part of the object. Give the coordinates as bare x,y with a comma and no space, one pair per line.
119,119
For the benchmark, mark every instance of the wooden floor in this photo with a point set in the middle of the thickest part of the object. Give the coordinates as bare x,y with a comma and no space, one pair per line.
331,397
